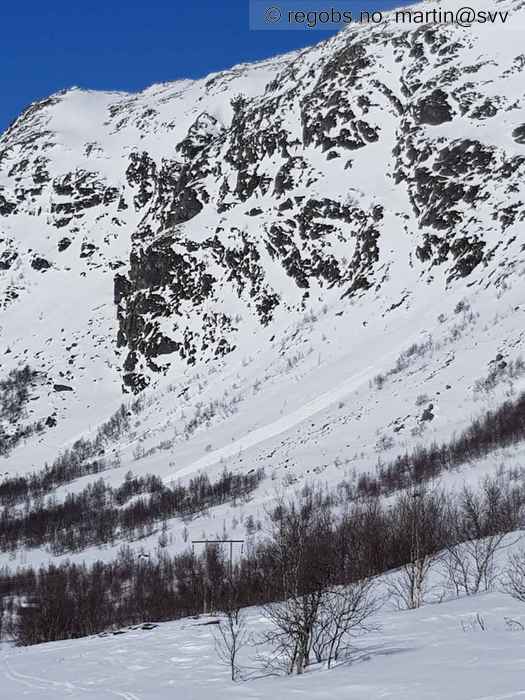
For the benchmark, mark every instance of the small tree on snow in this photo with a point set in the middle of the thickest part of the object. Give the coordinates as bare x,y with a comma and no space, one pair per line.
345,611
514,578
231,635
300,550
479,534
422,520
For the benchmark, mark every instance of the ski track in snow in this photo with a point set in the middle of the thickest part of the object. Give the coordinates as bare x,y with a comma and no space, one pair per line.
421,655
276,428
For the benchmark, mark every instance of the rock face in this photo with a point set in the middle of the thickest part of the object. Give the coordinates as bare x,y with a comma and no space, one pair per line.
320,112
194,210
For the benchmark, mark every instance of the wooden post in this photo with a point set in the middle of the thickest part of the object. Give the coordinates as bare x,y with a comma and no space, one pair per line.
206,544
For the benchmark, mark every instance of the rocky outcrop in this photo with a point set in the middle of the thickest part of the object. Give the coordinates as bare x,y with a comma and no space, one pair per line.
252,192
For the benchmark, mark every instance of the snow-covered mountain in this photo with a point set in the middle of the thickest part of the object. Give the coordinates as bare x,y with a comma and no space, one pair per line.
307,264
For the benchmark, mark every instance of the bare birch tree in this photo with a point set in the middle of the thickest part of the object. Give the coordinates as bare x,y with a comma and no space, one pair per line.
346,611
480,524
421,516
301,537
231,635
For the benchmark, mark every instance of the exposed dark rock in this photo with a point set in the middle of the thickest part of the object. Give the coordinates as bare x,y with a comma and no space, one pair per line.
63,244
434,109
263,176
428,414
6,207
39,263
87,249
518,134
7,258
141,174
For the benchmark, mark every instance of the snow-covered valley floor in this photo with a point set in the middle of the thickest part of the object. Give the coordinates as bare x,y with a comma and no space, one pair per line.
434,653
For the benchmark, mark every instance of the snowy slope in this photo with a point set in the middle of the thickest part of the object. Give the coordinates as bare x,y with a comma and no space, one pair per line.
292,264
425,654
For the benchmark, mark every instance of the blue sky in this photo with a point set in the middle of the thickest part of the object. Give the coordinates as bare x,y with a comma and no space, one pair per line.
124,44
48,45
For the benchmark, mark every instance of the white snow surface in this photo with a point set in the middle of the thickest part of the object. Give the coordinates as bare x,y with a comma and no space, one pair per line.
434,653
299,397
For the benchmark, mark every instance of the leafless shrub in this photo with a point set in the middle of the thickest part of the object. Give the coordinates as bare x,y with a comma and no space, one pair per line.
345,612
514,575
231,635
384,443
405,359
477,622
513,625
471,567
422,399
500,371
422,516
480,526
301,536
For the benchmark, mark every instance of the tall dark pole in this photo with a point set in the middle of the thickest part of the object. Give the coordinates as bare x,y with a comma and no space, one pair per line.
206,543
